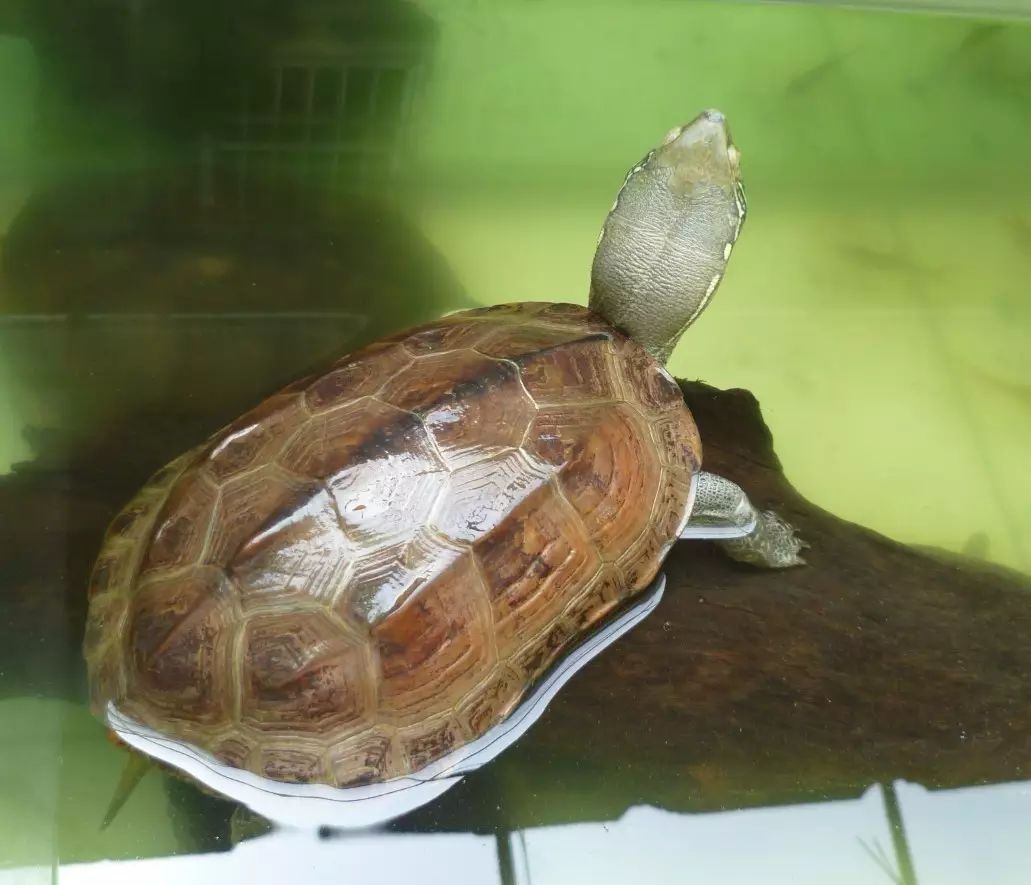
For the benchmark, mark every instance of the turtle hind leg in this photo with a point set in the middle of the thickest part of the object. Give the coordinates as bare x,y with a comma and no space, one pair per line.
723,513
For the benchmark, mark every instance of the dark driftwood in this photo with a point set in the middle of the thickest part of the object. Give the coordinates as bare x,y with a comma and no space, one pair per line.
875,662
745,688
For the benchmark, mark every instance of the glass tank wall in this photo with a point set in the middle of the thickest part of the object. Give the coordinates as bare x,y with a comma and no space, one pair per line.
198,203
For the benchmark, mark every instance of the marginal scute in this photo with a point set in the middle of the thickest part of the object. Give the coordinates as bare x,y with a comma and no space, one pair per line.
578,317
677,443
111,572
107,619
107,677
517,311
162,478
473,428
292,764
649,381
671,507
131,519
564,310
638,564
234,750
486,708
537,654
600,598
301,673
426,742
364,759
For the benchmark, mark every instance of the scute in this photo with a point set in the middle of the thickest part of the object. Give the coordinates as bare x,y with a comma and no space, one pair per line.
470,429
298,553
444,336
426,742
254,438
372,567
183,524
648,382
481,496
302,671
486,708
179,631
380,580
353,433
381,500
364,759
248,505
435,647
576,373
676,439
608,469
527,339
354,376
443,379
533,564
293,764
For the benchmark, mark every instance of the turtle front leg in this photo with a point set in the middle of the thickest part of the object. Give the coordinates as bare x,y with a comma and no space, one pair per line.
723,513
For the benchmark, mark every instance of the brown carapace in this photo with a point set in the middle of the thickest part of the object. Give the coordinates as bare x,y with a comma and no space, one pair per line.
371,568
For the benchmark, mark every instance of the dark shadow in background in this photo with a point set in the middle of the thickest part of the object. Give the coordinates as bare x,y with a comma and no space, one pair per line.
178,144
207,163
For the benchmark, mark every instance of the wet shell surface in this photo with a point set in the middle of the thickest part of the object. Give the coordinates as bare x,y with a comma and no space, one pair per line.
373,567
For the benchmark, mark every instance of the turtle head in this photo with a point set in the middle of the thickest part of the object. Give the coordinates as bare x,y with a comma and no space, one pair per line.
666,242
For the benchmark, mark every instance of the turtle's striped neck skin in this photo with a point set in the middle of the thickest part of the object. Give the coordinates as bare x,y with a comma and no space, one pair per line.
666,242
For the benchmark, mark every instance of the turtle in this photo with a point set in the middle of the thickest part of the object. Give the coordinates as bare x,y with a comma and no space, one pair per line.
374,582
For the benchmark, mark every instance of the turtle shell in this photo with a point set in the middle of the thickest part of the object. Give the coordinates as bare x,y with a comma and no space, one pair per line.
372,567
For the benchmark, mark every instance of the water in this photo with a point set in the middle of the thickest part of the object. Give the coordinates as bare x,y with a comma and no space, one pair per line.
166,260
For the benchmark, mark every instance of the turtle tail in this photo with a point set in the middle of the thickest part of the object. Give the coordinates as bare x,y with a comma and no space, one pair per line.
136,766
